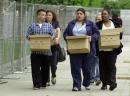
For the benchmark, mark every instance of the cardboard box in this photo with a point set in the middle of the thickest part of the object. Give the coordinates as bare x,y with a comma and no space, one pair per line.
40,42
110,38
78,44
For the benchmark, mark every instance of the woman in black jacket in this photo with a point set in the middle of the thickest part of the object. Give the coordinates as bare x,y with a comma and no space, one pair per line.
107,58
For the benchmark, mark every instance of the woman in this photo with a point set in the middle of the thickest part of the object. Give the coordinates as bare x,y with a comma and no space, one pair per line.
107,58
40,59
81,27
52,19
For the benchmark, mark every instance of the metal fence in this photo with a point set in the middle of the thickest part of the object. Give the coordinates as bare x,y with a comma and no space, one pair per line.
13,47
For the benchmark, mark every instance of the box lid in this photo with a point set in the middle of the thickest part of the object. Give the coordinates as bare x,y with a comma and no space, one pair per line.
39,36
76,37
115,31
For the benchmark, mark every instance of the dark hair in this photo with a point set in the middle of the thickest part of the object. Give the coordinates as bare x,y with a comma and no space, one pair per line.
107,11
40,10
83,11
54,19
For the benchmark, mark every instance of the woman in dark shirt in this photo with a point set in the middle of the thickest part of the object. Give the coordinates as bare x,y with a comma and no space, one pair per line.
52,19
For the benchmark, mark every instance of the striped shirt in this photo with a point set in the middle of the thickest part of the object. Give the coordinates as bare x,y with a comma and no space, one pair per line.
45,29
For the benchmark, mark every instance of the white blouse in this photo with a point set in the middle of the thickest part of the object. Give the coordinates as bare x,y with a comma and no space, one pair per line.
79,30
110,27
104,28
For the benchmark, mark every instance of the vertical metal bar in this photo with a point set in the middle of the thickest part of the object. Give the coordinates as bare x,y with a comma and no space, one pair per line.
25,49
21,36
12,50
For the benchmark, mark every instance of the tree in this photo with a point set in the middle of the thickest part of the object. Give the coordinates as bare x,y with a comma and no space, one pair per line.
118,4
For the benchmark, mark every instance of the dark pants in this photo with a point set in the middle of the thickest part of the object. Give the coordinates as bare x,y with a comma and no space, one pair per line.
54,61
78,62
40,69
107,61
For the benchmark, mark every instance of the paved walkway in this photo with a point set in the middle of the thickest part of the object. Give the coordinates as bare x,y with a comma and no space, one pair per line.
23,85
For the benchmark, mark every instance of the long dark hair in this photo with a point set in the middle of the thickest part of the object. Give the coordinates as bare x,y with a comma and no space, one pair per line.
54,19
84,12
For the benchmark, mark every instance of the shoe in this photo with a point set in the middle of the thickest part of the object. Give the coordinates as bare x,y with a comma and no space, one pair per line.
43,86
36,88
87,88
76,89
113,86
48,84
98,82
53,80
92,82
104,87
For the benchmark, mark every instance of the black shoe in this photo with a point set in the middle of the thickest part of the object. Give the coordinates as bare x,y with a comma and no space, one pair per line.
98,82
43,86
113,86
92,82
104,87
76,89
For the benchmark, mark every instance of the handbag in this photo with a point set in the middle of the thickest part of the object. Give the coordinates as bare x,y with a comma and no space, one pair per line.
61,54
119,50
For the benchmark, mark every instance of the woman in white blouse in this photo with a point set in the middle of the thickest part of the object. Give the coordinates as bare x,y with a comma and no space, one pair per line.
107,57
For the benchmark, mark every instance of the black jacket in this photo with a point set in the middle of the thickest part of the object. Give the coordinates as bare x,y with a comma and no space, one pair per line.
117,25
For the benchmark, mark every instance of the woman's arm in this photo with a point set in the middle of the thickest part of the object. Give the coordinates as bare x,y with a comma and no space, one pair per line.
95,33
58,35
58,31
52,33
66,32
